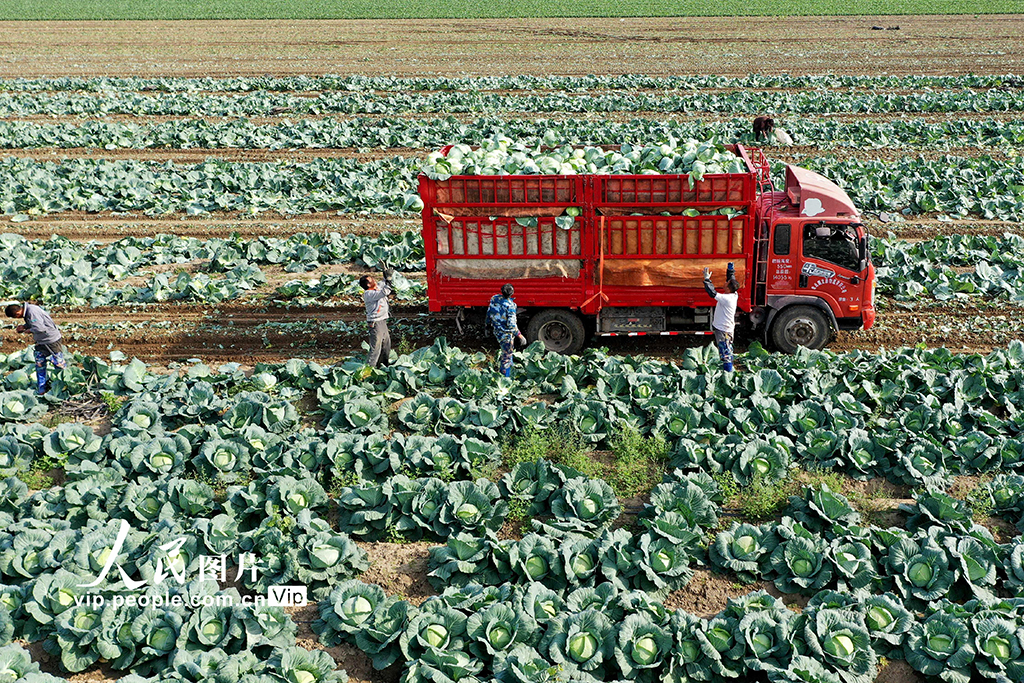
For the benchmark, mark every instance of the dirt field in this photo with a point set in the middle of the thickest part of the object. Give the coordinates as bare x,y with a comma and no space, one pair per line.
727,46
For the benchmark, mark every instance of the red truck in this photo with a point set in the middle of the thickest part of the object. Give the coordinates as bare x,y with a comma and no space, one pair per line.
615,255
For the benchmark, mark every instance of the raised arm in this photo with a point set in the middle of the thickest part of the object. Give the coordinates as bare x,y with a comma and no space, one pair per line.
708,287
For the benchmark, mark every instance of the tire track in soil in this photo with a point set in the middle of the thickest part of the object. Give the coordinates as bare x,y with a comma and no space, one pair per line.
925,229
201,332
174,332
903,328
708,90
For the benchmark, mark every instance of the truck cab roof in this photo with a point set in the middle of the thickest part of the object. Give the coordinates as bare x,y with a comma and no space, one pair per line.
815,195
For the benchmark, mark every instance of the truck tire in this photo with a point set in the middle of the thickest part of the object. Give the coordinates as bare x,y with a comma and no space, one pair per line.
558,329
798,326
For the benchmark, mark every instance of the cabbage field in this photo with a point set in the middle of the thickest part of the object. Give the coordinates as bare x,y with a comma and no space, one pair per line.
629,514
544,571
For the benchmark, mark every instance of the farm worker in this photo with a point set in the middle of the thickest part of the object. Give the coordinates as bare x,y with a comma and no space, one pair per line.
376,298
725,315
501,317
763,126
46,337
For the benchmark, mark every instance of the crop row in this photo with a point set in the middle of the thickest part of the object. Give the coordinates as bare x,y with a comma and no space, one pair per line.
96,185
526,633
954,185
959,186
261,103
70,273
357,83
390,132
821,543
280,664
59,271
963,420
908,271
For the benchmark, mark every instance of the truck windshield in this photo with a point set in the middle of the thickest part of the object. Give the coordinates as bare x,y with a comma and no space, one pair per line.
837,244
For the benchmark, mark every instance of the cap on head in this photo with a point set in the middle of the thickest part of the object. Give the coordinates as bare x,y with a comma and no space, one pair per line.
507,290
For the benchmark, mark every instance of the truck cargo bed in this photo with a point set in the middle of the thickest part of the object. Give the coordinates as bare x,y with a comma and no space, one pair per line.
621,250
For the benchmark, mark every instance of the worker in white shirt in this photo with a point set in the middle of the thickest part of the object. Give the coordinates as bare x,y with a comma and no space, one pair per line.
725,314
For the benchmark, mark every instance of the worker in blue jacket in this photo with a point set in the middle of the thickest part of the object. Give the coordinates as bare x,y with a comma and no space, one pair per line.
501,318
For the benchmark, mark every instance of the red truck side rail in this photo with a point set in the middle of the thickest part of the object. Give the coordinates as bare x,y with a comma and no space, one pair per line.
482,231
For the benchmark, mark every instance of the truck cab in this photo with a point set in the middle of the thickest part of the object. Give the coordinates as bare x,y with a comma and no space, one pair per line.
818,277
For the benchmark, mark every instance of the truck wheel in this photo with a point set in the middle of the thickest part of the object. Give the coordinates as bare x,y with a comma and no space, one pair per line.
560,330
799,326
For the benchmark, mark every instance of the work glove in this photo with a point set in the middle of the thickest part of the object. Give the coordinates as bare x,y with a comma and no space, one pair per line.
521,340
707,273
730,272
388,273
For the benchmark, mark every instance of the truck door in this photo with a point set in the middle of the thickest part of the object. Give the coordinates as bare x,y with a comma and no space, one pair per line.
782,259
833,265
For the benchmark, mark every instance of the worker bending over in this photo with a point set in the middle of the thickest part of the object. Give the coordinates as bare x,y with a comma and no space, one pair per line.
46,336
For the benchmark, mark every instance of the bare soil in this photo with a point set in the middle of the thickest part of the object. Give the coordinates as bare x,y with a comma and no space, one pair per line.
655,46
250,331
708,592
199,155
400,569
356,664
109,228
898,671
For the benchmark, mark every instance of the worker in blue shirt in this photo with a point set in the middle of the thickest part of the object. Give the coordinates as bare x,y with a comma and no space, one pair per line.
501,317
